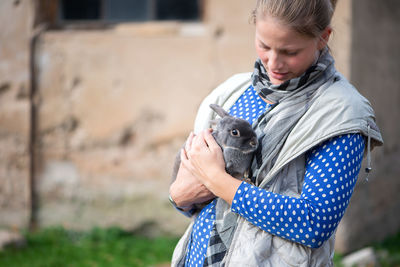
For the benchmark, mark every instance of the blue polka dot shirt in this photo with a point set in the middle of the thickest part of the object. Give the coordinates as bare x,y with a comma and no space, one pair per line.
331,173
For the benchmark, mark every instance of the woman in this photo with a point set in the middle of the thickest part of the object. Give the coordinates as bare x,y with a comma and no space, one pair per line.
312,127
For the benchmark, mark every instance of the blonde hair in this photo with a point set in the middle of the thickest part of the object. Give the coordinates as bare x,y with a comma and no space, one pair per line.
309,17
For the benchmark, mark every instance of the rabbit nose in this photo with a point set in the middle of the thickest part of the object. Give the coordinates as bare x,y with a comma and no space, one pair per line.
253,142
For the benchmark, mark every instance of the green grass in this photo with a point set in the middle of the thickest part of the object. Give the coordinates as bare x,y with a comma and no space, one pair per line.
99,247
389,251
337,259
115,247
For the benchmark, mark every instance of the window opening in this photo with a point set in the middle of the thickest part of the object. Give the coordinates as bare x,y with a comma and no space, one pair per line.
128,10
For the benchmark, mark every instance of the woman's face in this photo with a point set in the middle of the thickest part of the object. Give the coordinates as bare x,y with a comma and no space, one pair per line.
285,53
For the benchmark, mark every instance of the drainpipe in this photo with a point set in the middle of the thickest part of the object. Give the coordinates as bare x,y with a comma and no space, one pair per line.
37,31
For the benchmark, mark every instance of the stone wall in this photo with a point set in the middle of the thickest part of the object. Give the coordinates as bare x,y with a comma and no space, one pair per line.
15,112
115,105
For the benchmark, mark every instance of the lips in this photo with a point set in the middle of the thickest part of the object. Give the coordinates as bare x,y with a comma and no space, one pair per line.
279,75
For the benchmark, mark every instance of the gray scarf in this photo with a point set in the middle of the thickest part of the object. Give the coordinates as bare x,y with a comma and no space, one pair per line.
292,99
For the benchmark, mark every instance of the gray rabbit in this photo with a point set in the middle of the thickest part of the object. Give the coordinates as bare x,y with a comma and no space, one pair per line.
237,140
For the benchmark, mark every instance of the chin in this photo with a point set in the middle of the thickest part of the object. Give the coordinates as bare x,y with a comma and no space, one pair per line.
277,82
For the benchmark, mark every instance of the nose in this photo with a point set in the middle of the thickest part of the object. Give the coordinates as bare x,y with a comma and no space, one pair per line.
274,61
254,142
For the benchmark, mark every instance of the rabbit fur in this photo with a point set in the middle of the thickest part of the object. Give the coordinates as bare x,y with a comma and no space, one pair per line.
237,140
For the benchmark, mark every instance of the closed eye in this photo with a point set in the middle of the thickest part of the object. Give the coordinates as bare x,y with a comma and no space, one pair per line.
265,47
290,53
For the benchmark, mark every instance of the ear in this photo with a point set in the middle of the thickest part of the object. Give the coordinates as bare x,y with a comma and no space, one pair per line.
324,38
220,111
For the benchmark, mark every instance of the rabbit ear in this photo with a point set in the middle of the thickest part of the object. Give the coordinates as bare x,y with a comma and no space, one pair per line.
220,111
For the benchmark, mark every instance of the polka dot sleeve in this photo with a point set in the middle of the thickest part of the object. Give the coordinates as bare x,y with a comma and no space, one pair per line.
331,174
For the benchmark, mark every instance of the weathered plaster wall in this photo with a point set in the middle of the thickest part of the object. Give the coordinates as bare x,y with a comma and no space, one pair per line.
340,40
14,112
115,106
375,63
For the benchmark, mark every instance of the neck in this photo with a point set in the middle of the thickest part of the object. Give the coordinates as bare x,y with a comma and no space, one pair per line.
267,101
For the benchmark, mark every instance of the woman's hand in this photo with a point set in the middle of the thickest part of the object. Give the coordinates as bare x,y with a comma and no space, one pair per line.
203,158
187,190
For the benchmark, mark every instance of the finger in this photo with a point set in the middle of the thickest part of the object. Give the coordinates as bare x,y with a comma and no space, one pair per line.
184,155
199,140
189,141
195,139
210,141
185,161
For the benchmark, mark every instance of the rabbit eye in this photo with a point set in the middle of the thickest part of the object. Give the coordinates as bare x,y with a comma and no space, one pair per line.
235,132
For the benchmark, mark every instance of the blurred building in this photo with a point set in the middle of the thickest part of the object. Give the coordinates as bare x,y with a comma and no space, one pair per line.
97,96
